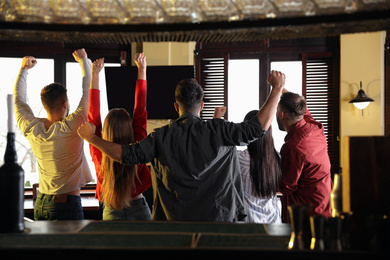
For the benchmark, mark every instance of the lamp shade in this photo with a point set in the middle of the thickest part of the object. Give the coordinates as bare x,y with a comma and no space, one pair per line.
361,101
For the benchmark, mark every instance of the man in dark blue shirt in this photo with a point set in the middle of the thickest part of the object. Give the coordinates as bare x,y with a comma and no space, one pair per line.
196,174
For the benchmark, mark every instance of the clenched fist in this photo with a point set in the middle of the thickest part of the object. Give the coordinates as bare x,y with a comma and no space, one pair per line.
87,131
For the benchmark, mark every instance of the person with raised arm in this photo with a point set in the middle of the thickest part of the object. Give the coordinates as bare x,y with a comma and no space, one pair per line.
196,175
62,165
119,187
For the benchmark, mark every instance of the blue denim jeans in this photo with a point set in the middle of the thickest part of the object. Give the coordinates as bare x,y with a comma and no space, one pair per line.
55,207
138,210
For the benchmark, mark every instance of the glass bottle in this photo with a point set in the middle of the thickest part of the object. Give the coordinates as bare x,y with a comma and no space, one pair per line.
11,184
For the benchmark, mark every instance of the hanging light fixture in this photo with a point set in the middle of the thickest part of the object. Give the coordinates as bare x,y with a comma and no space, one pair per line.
361,101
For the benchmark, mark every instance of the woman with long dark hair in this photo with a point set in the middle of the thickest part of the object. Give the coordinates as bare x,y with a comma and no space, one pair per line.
260,169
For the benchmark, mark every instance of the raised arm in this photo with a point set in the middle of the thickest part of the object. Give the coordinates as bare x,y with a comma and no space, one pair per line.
23,113
267,112
81,57
94,113
97,66
94,96
140,61
140,115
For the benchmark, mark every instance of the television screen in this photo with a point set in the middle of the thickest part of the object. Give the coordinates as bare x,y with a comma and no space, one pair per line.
161,82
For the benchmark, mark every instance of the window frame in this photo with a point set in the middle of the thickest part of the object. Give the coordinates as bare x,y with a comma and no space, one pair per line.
62,53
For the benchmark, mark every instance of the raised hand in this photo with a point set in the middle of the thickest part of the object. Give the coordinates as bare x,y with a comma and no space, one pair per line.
219,112
86,131
277,80
97,66
79,54
140,60
28,62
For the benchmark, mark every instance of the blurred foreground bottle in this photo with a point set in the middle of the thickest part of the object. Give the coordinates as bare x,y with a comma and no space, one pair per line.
11,183
11,190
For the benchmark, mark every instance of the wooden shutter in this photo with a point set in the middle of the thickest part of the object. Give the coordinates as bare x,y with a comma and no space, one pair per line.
320,87
212,76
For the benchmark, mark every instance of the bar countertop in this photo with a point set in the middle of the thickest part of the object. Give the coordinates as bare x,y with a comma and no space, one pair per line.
90,238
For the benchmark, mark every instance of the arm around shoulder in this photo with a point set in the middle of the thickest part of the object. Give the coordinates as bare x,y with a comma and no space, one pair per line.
87,132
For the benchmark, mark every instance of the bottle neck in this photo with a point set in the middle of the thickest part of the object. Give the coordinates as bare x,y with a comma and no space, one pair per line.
10,155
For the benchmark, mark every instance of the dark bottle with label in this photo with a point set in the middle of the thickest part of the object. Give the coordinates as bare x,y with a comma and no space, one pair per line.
11,190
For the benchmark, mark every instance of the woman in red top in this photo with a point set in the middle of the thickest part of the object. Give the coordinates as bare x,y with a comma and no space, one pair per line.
119,186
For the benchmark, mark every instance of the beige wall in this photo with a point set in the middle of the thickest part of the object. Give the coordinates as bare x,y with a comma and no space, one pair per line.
168,53
361,59
163,54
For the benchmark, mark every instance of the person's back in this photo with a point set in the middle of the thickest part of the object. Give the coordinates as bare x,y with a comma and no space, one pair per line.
62,165
261,172
259,209
195,169
306,148
119,187
59,153
306,166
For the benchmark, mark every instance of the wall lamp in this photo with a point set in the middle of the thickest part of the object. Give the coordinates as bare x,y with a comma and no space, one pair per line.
361,101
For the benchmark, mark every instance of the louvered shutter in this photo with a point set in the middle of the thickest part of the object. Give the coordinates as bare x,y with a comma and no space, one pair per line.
212,76
320,89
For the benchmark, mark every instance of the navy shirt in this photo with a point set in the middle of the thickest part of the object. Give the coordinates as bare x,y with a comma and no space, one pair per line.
195,170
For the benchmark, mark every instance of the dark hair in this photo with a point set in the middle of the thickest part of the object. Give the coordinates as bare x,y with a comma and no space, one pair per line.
292,104
53,96
189,94
265,168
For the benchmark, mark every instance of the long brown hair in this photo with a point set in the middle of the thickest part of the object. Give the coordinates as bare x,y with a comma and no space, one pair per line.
118,179
265,168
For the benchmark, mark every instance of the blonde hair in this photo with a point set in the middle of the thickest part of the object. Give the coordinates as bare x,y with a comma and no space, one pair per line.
118,179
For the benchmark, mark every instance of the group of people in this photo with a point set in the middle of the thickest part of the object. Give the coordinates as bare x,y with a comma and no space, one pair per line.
197,173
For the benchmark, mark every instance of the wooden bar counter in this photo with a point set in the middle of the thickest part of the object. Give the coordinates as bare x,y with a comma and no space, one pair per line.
188,240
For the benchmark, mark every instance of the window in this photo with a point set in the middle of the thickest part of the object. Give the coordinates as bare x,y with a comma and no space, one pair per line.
293,72
41,75
243,90
314,67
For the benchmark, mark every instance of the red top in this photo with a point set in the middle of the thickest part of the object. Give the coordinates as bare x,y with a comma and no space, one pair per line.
306,177
139,125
